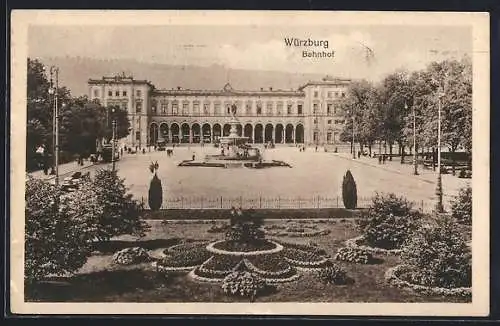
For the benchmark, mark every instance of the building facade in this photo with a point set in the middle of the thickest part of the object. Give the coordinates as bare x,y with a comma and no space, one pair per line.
309,115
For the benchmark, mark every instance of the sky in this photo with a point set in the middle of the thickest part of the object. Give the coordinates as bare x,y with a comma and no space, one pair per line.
259,47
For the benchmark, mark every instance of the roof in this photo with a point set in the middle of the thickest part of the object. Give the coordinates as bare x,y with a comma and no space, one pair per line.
327,81
228,90
120,79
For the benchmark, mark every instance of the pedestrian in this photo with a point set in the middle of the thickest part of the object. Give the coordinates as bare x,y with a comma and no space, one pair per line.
121,152
379,159
359,154
316,149
384,158
194,156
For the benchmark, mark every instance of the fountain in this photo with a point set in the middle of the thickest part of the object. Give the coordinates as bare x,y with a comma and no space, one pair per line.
235,152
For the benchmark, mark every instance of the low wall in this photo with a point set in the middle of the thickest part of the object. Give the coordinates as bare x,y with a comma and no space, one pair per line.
202,214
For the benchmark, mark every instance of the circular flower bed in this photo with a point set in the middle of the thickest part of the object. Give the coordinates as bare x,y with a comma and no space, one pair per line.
304,259
225,247
243,284
354,255
394,277
295,230
183,257
130,256
358,243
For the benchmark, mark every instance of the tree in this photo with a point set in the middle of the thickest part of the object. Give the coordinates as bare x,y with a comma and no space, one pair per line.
56,239
349,191
461,207
118,212
155,194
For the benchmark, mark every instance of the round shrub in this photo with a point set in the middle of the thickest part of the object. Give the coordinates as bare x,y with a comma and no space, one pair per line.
155,194
243,284
354,255
349,191
438,255
333,274
130,256
461,207
389,222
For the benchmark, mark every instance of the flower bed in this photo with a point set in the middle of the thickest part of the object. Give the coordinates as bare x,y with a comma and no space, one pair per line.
358,242
185,259
212,248
130,256
301,258
305,247
393,276
354,255
183,247
235,246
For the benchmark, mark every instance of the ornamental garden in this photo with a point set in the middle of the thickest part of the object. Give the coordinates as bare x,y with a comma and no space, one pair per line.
99,244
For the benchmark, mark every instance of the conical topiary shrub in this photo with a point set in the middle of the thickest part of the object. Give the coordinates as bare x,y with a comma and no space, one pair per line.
155,193
349,191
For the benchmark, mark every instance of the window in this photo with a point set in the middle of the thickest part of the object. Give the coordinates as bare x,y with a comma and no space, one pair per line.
335,137
315,93
279,108
110,93
138,107
299,109
138,93
289,109
163,108
175,108
329,94
329,122
334,109
124,93
206,109
315,136
269,108
315,121
329,137
315,108
117,93
259,109
336,94
329,109
96,93
228,110
137,135
217,109
248,108
153,109
185,108
196,108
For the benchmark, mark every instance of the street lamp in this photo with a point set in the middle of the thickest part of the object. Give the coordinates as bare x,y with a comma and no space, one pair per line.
415,172
353,128
439,187
113,149
53,91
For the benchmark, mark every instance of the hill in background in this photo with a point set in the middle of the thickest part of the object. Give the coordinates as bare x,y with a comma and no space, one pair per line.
74,73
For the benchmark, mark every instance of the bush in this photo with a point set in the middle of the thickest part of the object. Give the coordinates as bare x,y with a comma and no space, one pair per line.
333,274
130,256
192,257
438,255
243,284
349,191
389,221
354,255
461,207
113,211
155,194
56,240
245,226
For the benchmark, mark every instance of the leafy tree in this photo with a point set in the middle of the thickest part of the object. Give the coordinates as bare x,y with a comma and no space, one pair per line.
349,191
155,194
461,207
118,213
56,239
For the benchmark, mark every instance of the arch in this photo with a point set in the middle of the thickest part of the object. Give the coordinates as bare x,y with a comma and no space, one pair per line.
248,132
289,137
226,130
217,130
185,133
299,133
153,134
175,131
258,136
268,133
239,130
164,132
195,133
279,136
206,133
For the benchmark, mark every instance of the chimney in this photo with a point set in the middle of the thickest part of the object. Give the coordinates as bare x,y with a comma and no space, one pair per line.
178,88
270,88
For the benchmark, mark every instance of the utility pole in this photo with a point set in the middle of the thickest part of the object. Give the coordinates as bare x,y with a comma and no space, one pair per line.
439,187
53,90
415,166
353,128
114,144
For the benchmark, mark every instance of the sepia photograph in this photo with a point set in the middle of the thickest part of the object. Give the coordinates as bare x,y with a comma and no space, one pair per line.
317,163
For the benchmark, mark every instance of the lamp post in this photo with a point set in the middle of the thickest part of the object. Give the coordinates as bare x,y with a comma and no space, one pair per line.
415,166
113,148
53,90
439,186
353,132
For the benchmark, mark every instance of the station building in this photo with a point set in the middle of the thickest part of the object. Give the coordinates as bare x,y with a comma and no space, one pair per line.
308,115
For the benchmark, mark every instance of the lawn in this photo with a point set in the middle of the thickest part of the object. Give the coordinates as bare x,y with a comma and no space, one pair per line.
102,281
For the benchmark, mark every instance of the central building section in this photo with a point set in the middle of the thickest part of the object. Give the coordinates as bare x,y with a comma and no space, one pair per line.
308,115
